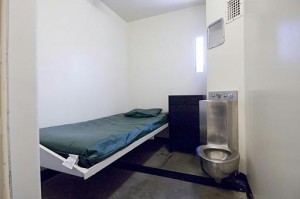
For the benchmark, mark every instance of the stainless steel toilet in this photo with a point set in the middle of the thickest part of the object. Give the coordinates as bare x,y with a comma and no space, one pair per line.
218,151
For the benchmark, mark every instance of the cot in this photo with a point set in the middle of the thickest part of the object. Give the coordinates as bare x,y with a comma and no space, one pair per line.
97,142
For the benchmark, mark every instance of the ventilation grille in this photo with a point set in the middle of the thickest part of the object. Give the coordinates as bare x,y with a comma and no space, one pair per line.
233,10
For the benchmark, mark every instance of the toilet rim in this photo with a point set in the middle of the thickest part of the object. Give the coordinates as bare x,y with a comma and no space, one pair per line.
233,156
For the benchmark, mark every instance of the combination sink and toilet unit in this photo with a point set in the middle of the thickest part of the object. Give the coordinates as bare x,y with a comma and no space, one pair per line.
218,153
217,121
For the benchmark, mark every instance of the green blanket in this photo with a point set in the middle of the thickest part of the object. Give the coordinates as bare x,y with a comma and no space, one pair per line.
96,140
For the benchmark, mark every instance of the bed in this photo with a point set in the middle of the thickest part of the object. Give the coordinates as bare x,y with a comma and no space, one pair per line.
98,142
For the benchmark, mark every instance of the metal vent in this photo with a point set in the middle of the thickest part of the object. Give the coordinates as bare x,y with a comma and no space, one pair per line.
233,10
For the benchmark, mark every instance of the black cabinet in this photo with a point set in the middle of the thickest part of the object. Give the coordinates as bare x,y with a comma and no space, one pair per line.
184,131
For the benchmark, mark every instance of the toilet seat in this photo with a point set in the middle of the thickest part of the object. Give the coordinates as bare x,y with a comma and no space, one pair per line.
233,155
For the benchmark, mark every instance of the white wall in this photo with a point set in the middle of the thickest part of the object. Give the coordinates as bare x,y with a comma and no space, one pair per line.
22,100
82,61
161,57
225,65
272,60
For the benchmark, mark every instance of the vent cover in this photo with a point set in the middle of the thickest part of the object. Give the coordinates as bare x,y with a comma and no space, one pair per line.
233,10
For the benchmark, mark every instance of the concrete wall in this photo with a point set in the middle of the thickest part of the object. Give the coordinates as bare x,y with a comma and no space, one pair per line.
81,61
22,100
272,77
161,57
225,65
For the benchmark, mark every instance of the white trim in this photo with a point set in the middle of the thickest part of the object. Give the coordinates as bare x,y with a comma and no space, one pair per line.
52,160
4,167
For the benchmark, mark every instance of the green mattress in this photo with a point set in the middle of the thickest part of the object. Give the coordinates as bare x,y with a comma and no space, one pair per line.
98,139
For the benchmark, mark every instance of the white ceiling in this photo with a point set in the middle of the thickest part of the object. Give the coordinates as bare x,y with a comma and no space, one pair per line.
131,10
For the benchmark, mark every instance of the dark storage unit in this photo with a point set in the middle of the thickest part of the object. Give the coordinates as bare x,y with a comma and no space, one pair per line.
184,131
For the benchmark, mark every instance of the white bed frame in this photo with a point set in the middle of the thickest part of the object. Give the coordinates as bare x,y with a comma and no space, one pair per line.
52,160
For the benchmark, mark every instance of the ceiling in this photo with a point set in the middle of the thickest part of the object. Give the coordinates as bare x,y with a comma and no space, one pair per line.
131,10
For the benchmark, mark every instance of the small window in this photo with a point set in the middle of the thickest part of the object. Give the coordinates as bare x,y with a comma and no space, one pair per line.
199,54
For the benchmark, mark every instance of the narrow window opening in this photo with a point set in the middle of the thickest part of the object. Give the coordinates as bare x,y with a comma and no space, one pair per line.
199,54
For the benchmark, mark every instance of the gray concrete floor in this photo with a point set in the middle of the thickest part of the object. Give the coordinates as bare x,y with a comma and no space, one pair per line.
156,154
113,183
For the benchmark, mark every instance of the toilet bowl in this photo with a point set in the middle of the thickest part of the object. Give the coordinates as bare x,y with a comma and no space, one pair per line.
218,161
